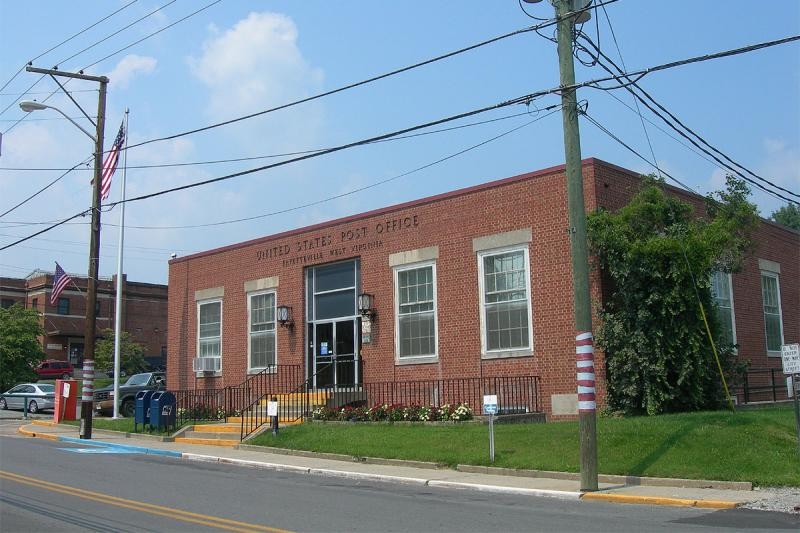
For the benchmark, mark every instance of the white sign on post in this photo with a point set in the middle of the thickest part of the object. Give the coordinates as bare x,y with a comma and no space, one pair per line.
65,390
272,408
790,355
490,404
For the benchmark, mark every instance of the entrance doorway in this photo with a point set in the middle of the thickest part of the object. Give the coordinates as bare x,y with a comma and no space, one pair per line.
333,324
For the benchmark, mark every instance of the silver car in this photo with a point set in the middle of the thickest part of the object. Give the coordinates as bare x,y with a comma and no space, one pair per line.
38,395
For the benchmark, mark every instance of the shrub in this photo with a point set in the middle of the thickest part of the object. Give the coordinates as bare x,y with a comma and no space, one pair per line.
395,413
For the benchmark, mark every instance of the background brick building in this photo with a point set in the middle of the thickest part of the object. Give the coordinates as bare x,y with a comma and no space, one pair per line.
472,283
144,312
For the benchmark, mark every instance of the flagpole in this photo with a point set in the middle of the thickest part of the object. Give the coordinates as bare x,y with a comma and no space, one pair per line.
118,309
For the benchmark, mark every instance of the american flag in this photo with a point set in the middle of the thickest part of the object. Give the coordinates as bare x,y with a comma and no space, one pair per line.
110,164
60,280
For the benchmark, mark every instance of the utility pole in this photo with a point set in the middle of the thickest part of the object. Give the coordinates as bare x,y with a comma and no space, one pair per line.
580,256
87,398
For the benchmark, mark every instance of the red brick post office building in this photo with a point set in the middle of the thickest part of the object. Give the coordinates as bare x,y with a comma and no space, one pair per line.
442,293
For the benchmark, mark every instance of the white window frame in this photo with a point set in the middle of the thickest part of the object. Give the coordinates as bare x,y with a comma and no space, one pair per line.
509,352
776,277
250,296
415,359
201,303
733,307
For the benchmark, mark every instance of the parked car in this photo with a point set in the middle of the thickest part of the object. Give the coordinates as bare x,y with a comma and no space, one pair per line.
104,397
53,369
38,395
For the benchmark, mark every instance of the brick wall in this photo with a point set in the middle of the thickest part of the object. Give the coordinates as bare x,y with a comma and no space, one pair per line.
450,222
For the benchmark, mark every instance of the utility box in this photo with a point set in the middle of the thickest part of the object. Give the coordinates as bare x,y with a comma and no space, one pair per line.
141,413
162,410
66,404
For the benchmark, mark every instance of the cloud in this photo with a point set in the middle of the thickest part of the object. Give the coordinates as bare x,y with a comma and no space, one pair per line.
129,67
254,64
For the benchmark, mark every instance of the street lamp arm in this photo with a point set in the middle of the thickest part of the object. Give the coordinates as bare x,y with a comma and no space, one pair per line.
30,107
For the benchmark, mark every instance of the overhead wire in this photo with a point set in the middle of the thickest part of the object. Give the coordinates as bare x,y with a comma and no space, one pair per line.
549,22
115,53
65,41
551,109
44,188
285,154
526,99
600,54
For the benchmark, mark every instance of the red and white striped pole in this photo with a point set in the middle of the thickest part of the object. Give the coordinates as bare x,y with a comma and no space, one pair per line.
87,399
584,353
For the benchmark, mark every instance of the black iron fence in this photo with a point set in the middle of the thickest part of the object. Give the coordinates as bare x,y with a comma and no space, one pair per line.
197,405
515,394
761,385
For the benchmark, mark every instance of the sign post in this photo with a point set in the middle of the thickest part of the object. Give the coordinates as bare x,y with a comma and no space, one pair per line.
790,357
272,411
490,408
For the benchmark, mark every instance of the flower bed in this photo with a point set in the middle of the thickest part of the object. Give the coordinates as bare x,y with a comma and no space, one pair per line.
396,413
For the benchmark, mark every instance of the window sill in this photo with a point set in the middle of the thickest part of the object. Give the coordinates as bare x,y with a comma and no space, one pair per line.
773,354
269,370
507,354
424,360
208,374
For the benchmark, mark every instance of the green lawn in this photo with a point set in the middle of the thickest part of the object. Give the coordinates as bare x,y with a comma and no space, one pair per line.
758,445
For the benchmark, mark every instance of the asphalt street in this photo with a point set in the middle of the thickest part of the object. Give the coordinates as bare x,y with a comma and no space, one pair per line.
48,485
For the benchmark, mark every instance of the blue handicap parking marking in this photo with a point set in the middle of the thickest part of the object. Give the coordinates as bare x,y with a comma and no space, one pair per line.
101,449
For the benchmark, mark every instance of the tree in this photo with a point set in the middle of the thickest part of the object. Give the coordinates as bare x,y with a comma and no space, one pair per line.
788,215
659,257
131,353
20,350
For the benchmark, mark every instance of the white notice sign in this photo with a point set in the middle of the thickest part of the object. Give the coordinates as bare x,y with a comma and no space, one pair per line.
790,355
272,408
65,390
490,404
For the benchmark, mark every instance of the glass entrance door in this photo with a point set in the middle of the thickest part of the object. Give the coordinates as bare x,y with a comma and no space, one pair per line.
333,322
335,354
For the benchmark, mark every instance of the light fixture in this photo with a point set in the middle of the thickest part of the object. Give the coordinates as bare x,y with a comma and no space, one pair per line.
366,304
31,105
284,313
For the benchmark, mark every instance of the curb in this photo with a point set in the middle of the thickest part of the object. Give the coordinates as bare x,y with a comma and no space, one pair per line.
658,500
35,435
564,495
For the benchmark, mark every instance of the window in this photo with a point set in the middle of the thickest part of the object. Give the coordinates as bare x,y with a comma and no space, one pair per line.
505,302
722,295
209,329
35,303
97,308
5,303
771,296
415,297
262,330
63,306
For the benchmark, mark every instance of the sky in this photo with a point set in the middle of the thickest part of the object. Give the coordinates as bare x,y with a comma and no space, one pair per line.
237,57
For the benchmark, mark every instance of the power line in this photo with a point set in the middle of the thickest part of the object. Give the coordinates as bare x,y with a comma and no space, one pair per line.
526,99
691,140
113,54
551,109
285,154
670,176
87,28
44,188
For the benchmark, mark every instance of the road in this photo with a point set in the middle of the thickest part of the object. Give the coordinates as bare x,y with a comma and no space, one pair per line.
46,487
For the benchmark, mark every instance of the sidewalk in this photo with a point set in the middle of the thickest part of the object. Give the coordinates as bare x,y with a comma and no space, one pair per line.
650,491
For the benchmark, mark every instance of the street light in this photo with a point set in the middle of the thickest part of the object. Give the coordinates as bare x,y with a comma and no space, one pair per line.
87,396
30,106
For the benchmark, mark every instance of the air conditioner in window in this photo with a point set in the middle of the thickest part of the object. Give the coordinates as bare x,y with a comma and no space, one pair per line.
207,364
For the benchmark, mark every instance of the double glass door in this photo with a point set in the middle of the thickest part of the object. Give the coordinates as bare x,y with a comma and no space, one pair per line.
335,353
333,324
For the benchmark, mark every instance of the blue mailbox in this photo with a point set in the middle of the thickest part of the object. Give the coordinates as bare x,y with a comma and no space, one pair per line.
141,413
162,410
